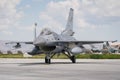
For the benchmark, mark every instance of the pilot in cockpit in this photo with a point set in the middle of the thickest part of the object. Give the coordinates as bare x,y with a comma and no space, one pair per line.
46,31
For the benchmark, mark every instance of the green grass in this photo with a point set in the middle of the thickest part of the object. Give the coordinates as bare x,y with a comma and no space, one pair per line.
98,56
11,56
79,56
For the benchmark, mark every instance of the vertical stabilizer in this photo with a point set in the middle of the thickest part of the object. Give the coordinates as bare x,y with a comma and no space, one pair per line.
69,27
106,45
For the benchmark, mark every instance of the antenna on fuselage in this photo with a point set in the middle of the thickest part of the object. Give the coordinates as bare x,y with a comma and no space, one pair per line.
35,30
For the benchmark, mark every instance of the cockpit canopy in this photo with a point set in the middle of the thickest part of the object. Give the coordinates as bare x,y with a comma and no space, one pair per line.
46,31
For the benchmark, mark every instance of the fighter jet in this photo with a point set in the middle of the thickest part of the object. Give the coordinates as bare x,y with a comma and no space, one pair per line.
107,48
51,43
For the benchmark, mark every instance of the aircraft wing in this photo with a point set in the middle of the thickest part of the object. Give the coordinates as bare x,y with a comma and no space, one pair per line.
76,42
18,44
26,42
80,42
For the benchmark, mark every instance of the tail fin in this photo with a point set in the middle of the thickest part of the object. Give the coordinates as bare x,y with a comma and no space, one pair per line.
69,27
106,46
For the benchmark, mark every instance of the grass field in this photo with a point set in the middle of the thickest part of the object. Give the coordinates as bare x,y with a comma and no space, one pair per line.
62,56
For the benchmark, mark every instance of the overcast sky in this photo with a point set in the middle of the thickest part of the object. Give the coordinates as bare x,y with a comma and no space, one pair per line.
93,19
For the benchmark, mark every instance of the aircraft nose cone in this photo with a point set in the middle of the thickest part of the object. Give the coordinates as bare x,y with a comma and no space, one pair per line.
39,41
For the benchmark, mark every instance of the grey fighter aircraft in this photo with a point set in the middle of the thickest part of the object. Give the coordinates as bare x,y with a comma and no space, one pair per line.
51,43
107,48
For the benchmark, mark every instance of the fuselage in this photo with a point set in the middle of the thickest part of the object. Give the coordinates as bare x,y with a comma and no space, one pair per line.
45,41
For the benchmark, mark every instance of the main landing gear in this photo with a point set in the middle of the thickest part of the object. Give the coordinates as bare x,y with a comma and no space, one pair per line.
49,56
71,57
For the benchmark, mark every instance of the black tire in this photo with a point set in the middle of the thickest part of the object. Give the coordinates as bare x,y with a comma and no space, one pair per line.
48,61
73,59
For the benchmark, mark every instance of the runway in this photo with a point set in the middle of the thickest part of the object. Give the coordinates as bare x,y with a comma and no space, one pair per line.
60,69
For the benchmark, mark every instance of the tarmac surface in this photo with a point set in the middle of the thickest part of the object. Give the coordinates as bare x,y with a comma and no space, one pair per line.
60,69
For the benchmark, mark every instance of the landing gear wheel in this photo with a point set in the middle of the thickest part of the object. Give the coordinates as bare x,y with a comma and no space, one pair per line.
48,61
73,59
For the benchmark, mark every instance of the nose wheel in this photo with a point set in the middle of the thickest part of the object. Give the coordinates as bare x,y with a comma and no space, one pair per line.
47,60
